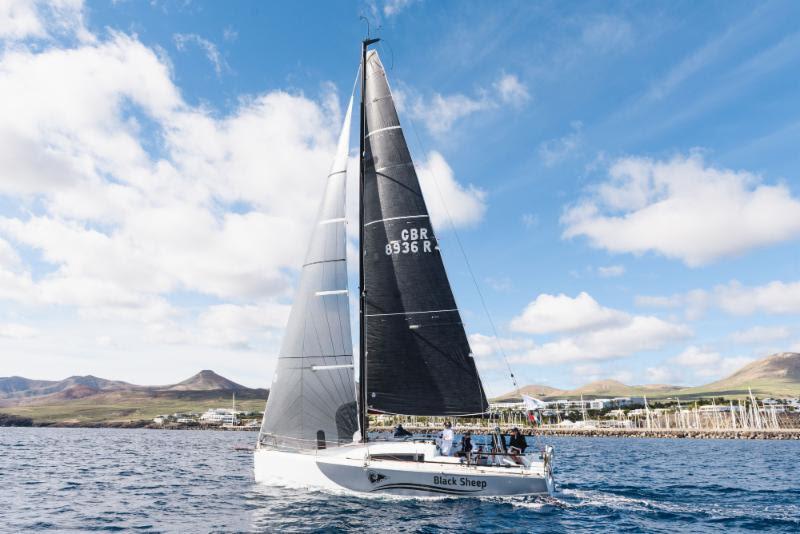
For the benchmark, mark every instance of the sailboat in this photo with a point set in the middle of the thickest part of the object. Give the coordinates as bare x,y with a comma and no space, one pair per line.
414,355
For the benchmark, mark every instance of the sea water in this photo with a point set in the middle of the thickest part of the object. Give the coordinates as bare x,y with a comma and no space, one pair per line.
195,481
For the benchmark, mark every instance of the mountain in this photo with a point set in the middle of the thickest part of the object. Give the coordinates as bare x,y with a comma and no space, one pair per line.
17,390
774,375
778,374
206,380
17,387
89,399
533,390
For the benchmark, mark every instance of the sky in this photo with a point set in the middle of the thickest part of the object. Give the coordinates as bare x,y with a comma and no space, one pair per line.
622,176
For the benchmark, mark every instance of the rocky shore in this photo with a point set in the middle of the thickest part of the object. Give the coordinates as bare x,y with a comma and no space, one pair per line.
782,434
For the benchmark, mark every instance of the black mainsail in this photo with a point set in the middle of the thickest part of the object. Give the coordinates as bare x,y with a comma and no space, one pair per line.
312,397
418,359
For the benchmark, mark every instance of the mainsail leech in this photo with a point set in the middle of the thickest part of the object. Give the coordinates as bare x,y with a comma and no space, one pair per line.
312,396
417,363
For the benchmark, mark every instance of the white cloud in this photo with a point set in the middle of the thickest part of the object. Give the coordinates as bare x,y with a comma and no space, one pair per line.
9,259
639,334
484,346
695,302
19,19
42,19
776,297
447,200
697,365
393,7
561,313
502,284
530,220
611,271
229,34
596,332
175,229
604,33
440,112
236,325
554,151
683,209
211,50
588,371
511,90
761,334
663,375
17,331
730,365
130,195
696,357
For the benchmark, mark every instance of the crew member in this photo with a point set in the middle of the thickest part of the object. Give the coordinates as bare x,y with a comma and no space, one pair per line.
516,444
400,432
447,439
466,447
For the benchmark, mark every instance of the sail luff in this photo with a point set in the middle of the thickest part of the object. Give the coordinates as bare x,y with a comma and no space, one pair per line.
418,359
312,396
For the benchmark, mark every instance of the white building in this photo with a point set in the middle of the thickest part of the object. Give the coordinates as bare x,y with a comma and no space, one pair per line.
221,416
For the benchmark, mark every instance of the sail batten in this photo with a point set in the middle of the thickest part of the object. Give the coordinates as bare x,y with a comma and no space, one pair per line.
418,359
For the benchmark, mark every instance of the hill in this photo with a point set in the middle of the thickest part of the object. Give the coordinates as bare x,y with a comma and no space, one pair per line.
206,380
774,375
17,387
89,399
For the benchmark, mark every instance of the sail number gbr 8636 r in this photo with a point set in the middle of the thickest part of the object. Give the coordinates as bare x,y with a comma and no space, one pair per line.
412,241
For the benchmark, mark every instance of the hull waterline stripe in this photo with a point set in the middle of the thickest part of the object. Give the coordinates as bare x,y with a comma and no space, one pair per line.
424,487
397,218
409,313
336,172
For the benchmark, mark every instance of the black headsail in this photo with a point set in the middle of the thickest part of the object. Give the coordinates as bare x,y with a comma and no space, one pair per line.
418,359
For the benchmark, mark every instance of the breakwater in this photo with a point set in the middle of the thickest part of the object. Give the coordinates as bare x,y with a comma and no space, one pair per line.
781,434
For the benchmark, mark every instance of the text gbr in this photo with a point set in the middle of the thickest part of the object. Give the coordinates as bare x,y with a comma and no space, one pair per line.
412,240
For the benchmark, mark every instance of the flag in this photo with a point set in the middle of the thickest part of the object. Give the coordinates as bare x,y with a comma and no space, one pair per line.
532,404
533,407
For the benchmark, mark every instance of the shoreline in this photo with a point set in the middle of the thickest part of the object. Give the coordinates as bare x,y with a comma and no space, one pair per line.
781,434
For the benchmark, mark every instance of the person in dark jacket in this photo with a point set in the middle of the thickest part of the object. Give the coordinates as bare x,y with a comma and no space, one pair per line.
516,444
400,432
466,447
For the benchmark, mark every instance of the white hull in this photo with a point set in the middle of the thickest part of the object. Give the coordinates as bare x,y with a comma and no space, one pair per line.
370,469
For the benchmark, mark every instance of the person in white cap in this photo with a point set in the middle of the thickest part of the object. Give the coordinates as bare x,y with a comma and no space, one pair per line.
447,440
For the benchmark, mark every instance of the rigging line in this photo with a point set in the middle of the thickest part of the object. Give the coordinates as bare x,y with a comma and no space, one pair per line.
469,267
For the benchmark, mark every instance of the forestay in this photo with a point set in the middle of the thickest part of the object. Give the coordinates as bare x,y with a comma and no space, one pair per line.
418,358
312,397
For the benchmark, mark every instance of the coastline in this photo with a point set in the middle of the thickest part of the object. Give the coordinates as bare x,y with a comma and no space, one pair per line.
781,434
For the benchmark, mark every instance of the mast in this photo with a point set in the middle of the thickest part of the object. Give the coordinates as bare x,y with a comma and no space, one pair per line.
363,418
